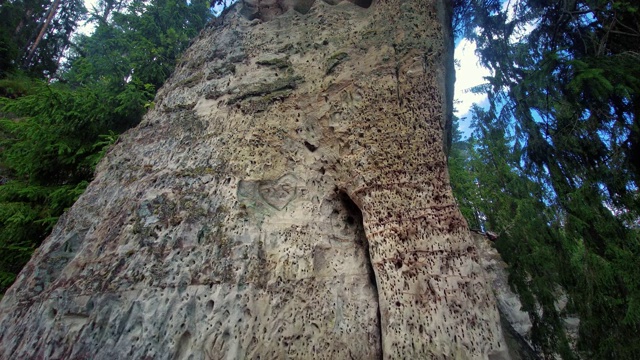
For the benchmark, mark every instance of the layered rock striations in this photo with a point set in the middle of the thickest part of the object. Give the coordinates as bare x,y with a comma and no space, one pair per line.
287,197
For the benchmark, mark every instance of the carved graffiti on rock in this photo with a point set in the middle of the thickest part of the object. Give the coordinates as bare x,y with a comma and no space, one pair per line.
276,193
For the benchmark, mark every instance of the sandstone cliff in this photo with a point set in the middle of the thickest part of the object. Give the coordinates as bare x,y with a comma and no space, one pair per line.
287,197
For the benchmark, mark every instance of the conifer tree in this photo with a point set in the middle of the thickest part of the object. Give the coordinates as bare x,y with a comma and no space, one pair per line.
53,134
559,144
34,35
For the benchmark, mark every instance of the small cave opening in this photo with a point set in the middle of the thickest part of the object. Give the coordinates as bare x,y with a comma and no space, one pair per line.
303,6
362,3
354,218
310,146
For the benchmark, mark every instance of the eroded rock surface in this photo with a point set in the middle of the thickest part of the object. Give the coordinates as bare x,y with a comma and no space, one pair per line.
517,323
287,197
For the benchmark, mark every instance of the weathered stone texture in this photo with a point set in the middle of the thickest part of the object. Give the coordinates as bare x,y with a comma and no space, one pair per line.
287,197
516,322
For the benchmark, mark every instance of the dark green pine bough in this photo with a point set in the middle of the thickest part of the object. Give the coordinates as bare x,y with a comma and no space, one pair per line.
64,103
553,165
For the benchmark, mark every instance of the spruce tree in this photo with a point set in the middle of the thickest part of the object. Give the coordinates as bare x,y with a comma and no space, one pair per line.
559,144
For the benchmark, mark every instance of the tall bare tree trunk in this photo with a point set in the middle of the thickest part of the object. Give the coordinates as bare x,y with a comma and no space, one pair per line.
43,30
21,23
287,197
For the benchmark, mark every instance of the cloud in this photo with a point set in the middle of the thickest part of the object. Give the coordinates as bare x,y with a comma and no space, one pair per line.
86,27
469,73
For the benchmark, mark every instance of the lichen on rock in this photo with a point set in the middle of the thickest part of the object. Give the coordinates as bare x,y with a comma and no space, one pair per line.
335,60
279,63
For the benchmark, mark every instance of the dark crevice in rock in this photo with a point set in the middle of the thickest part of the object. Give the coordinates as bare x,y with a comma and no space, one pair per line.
303,6
310,146
334,61
519,347
183,345
282,84
355,217
362,3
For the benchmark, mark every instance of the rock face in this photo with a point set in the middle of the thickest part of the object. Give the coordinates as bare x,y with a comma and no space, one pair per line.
516,322
287,197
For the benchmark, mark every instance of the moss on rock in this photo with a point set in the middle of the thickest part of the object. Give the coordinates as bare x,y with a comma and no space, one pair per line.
260,90
334,61
279,63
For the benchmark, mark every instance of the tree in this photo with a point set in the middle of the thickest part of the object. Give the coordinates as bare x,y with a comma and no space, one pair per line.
43,28
286,196
53,135
497,195
35,34
139,45
564,98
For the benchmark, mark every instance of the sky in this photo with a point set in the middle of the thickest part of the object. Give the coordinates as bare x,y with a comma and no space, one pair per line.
86,27
469,73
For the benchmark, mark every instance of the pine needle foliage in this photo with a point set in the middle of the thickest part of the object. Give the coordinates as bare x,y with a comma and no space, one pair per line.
34,34
52,138
53,133
554,160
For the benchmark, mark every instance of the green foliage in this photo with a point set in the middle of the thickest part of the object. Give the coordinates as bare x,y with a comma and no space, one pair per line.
503,200
141,44
463,183
23,21
52,132
555,162
52,138
53,135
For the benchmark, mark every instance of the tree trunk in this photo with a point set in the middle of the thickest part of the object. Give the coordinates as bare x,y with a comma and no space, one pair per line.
43,29
288,197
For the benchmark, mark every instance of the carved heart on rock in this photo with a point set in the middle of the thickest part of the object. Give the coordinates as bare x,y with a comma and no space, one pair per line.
278,193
